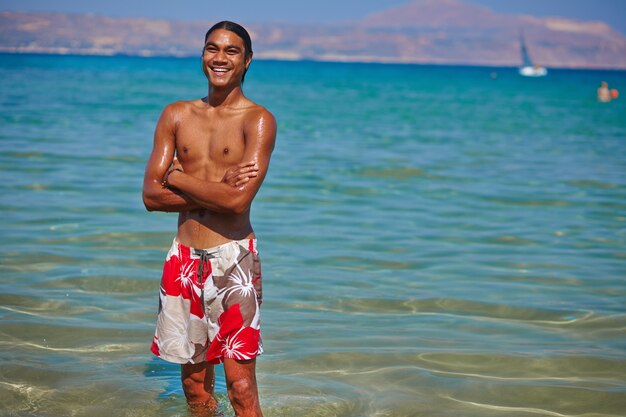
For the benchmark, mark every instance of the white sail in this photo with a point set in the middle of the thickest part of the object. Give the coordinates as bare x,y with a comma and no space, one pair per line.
528,69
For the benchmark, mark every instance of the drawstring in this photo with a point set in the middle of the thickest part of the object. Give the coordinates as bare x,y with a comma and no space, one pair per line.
205,257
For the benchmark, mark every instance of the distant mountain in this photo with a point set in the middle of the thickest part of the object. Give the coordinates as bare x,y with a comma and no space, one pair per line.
421,31
450,31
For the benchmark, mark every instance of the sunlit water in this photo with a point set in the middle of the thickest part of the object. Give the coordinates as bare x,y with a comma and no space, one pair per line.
435,242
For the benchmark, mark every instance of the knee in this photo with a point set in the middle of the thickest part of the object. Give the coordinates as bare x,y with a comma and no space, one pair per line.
194,390
242,391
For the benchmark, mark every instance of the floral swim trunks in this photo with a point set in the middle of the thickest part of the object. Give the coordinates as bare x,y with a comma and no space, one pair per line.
209,304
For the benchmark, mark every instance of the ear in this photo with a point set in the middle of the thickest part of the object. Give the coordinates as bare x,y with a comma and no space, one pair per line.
248,60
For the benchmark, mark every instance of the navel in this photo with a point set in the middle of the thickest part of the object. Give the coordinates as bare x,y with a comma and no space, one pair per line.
226,150
185,149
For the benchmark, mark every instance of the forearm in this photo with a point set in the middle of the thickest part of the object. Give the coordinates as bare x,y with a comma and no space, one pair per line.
159,198
215,196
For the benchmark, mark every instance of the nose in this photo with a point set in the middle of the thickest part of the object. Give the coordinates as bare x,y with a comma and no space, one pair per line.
219,57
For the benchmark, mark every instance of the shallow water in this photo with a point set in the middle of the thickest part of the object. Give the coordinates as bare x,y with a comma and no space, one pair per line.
435,242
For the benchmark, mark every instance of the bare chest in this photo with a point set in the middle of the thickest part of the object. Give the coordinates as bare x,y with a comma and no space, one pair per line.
207,146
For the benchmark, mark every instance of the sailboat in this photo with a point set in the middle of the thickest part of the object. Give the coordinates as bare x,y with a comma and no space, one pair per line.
528,69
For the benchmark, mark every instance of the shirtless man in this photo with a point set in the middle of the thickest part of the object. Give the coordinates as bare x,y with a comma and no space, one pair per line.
603,93
209,159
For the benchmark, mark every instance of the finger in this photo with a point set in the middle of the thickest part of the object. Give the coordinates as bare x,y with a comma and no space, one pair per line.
243,169
242,181
247,170
245,164
247,175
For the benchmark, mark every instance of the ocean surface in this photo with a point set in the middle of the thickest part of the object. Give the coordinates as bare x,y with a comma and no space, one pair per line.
436,241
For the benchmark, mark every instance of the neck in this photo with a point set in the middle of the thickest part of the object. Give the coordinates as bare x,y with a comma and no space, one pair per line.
223,96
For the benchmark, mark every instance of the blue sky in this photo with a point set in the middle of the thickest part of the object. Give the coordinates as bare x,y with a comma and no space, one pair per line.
248,11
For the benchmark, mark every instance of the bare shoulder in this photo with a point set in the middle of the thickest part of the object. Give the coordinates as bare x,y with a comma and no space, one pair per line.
257,116
177,110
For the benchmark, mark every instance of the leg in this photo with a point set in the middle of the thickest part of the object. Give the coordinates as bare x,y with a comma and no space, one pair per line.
198,382
242,388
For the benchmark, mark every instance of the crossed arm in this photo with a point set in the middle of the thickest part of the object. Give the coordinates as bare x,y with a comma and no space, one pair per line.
183,192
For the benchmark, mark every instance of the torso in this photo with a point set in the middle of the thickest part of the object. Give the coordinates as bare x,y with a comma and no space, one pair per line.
208,142
604,94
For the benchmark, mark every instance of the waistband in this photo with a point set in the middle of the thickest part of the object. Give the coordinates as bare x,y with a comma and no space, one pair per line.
250,244
205,255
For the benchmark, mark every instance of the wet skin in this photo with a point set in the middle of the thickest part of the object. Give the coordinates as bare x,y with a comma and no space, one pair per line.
209,159
210,136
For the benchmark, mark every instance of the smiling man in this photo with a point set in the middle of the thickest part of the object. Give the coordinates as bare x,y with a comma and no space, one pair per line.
209,159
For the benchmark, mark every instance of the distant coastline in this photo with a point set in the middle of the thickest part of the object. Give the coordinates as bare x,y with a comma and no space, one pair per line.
403,35
495,68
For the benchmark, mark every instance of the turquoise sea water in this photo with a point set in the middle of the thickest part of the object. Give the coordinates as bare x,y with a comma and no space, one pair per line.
435,242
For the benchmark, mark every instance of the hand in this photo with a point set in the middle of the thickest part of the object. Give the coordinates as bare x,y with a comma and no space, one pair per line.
175,166
240,174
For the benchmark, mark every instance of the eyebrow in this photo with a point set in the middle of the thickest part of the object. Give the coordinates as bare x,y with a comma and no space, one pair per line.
227,46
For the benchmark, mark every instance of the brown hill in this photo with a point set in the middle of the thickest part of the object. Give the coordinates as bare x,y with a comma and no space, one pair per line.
421,31
437,14
449,31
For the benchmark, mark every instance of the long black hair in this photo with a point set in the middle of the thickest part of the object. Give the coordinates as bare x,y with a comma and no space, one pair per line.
238,30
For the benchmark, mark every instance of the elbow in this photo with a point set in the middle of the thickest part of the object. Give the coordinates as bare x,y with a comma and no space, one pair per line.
239,206
232,208
149,203
240,209
235,201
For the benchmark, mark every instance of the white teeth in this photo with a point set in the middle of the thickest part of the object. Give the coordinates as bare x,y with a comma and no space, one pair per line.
220,69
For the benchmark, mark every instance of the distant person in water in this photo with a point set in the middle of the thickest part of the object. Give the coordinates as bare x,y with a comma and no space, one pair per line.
209,159
604,94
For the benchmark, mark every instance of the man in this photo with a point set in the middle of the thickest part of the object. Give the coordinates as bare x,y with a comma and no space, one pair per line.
603,93
209,159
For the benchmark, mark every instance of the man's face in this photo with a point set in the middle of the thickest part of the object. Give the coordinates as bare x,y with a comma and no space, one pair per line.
223,59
